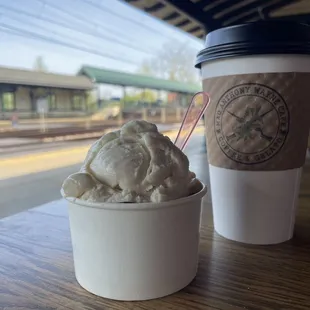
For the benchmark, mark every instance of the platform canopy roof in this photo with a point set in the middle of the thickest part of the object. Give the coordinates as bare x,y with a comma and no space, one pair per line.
105,76
198,17
24,77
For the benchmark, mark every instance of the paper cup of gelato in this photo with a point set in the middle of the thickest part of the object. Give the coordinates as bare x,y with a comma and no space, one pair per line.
135,251
134,211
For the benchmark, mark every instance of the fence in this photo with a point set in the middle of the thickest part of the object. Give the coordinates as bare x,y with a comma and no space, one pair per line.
105,117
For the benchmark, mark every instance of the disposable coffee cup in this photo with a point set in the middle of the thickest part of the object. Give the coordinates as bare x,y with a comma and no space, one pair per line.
257,126
136,251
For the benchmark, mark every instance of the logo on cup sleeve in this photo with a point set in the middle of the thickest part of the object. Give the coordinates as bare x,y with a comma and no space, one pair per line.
251,123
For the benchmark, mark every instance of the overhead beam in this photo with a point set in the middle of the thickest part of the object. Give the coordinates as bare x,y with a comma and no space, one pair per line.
154,8
265,11
243,9
171,16
193,12
222,6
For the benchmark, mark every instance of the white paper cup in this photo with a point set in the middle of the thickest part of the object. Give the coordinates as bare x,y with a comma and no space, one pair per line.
256,207
135,251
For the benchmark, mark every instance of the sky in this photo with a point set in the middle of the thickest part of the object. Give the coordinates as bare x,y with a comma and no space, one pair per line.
69,33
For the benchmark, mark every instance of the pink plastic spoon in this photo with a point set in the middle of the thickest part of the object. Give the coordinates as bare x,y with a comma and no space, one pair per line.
192,116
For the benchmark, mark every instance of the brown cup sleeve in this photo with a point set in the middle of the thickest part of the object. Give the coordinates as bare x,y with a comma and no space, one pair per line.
258,122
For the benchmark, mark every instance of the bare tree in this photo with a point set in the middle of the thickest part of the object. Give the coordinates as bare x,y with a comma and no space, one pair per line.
39,64
175,61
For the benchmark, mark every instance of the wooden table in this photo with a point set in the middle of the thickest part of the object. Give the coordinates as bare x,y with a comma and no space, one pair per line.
36,267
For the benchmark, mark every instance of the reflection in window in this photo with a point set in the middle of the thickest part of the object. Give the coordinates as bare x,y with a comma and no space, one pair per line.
8,101
52,102
77,102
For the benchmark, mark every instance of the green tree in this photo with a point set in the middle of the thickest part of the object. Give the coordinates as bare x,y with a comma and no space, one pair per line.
140,96
175,61
39,64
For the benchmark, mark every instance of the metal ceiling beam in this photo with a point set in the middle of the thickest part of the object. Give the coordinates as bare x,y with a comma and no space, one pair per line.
194,12
171,16
193,29
222,6
264,11
154,7
182,23
243,9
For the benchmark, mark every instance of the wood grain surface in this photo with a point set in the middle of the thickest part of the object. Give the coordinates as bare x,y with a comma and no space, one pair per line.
36,267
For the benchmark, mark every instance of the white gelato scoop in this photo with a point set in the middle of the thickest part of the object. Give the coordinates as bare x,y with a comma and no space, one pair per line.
133,164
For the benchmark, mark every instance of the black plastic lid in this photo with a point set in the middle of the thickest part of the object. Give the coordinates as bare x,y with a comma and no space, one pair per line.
264,37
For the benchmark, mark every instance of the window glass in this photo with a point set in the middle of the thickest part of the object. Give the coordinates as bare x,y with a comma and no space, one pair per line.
8,101
77,102
52,102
